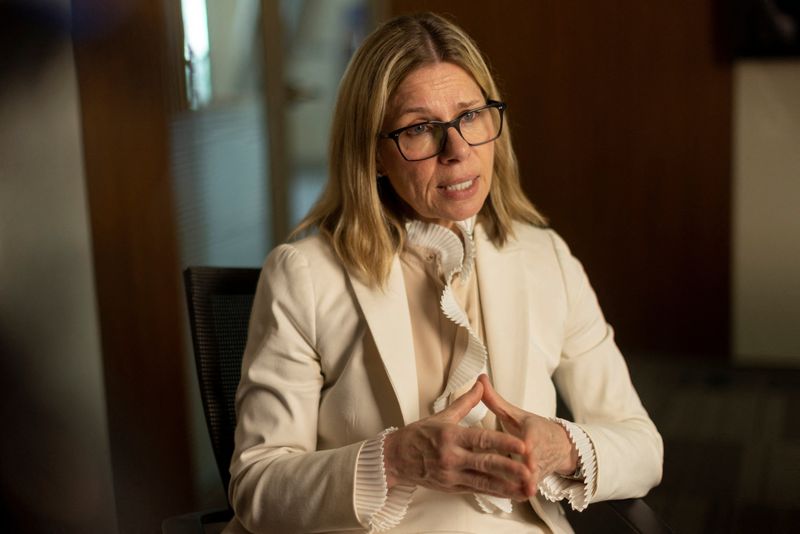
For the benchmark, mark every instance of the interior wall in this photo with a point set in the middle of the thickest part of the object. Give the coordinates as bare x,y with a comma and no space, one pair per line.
766,230
55,467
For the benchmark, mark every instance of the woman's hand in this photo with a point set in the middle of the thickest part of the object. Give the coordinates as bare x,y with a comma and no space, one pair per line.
437,453
548,448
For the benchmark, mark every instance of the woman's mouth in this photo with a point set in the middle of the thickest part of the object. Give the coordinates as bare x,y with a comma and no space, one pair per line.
460,186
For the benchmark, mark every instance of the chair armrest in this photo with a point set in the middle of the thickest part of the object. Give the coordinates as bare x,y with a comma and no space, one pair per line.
627,515
639,516
194,523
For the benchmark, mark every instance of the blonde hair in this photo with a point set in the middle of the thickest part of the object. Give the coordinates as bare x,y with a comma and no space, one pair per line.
361,216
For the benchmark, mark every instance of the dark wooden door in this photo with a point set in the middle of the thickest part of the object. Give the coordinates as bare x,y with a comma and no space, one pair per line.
122,55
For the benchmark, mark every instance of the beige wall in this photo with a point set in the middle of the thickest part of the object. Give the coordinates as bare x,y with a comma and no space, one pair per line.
55,474
766,212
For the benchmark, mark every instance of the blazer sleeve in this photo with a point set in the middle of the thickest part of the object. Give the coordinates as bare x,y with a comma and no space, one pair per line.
279,481
594,382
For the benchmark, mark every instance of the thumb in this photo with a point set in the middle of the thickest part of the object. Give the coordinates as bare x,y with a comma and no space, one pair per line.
462,405
492,399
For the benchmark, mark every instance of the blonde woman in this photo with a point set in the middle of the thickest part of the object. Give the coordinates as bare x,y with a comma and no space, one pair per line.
402,361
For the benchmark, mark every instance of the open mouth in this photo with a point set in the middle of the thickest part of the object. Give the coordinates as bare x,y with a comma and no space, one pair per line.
461,186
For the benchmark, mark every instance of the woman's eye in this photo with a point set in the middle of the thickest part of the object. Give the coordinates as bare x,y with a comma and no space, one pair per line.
418,129
470,116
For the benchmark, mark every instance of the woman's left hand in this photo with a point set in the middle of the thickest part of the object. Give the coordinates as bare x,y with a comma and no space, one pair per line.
548,448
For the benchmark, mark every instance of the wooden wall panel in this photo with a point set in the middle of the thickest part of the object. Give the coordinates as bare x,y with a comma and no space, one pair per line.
621,115
121,62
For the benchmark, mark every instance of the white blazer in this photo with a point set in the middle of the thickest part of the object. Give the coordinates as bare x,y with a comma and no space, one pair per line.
312,390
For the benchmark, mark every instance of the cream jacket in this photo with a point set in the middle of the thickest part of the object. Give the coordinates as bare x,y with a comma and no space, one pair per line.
312,391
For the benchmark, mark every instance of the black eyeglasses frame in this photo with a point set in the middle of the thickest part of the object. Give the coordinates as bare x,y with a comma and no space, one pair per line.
395,134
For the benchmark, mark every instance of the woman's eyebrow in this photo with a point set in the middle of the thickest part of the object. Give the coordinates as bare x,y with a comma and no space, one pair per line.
406,111
425,111
470,104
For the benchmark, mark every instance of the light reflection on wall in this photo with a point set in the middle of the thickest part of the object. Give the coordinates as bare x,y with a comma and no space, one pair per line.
195,53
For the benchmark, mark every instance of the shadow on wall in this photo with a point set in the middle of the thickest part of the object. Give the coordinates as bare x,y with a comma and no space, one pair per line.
32,32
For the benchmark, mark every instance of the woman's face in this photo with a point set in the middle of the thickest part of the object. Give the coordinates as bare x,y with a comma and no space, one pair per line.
453,185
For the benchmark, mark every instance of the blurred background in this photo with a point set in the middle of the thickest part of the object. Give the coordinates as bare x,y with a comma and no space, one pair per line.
138,137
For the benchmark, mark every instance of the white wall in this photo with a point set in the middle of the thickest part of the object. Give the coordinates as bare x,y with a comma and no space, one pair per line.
55,471
766,212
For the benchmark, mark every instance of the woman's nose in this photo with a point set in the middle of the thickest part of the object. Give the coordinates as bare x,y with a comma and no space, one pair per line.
455,148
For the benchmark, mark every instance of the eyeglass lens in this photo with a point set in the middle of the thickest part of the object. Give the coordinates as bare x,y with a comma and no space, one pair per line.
425,140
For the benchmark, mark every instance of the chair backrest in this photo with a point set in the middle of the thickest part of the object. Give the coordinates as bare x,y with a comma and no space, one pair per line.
219,301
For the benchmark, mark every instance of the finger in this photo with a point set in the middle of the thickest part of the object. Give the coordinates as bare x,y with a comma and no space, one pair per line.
497,404
531,487
462,405
480,438
498,466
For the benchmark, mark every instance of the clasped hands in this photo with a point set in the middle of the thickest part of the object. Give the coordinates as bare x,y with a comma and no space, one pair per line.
437,453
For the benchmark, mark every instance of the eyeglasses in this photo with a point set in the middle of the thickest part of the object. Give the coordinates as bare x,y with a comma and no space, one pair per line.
427,139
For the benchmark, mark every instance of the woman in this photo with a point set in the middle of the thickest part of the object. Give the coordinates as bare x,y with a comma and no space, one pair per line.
401,365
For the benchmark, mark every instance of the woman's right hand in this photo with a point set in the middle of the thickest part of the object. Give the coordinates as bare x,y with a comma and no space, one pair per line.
437,453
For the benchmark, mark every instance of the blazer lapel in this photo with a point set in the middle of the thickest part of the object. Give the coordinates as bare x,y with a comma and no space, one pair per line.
505,315
386,313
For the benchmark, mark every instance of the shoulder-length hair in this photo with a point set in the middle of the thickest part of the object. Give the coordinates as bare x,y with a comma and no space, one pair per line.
359,213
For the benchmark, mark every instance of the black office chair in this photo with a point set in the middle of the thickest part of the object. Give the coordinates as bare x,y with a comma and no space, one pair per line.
219,302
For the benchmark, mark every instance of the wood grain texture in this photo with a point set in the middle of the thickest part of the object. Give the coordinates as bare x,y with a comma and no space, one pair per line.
621,118
121,63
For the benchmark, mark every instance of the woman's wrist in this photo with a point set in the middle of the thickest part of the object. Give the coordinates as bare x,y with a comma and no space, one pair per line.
388,457
577,473
571,464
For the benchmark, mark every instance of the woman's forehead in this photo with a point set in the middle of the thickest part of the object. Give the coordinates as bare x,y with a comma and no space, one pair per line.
435,87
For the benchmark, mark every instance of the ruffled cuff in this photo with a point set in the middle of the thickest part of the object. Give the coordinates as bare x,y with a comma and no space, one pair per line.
578,492
378,507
